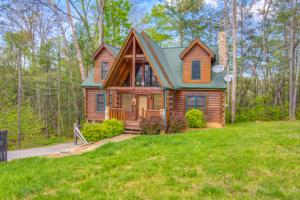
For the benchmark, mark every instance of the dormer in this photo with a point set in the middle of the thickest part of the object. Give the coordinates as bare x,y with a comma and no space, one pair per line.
197,60
104,58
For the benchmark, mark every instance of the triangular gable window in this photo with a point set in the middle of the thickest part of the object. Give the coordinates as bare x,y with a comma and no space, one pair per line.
145,75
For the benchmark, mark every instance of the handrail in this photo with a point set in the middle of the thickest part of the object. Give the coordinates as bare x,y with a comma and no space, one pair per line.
151,113
117,113
78,135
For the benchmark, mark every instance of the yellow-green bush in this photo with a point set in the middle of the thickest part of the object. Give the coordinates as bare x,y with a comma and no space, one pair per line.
195,118
98,131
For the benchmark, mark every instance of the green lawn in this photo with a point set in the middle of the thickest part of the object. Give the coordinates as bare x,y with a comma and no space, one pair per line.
243,161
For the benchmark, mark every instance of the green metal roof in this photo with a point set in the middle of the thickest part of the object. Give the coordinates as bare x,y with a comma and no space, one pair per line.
90,82
172,65
170,59
114,50
175,66
152,60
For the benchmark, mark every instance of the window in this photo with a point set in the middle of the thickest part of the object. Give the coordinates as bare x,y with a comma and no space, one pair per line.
100,102
196,70
104,70
157,102
127,102
197,102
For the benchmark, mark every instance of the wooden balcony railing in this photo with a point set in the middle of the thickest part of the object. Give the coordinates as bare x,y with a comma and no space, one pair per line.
151,113
117,113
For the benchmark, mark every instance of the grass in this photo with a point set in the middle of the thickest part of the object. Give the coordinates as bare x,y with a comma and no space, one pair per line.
37,141
243,161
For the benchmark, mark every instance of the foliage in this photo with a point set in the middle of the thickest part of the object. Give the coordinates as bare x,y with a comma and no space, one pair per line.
112,127
31,126
152,125
98,131
183,20
116,22
260,109
298,113
195,118
262,156
176,124
91,131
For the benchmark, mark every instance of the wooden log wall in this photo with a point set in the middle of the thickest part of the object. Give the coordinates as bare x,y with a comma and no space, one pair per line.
214,104
104,56
197,53
91,107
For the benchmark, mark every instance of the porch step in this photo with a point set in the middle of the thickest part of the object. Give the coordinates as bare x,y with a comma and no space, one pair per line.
132,127
128,131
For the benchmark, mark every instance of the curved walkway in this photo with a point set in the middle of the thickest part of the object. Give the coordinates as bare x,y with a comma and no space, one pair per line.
61,150
39,151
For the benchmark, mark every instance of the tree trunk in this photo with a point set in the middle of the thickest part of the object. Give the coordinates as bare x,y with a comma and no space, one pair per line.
296,86
100,23
78,50
226,28
19,98
292,113
234,54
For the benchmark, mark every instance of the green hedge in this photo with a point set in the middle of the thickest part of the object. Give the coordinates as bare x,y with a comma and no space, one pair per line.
261,109
195,118
98,131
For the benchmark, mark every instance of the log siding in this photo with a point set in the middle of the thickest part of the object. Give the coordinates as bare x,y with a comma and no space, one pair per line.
214,109
91,105
103,57
197,54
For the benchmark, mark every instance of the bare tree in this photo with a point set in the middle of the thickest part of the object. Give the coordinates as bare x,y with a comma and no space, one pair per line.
234,60
100,23
78,50
292,56
19,97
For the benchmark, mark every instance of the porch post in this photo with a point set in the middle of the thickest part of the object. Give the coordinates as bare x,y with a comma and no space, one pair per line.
106,103
133,63
165,108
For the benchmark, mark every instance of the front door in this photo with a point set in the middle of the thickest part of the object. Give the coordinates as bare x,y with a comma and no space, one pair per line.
142,104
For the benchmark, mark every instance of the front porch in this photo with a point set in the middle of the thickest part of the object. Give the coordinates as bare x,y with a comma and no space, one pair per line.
131,104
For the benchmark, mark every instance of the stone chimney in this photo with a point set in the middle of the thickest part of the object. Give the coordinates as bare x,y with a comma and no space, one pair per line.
222,43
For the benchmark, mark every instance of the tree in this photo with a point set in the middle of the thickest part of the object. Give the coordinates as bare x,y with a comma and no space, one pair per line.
78,50
175,21
234,60
101,4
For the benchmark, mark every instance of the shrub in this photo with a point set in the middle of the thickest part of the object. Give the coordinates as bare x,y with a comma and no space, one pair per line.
152,125
31,125
195,118
98,131
177,124
262,109
91,131
115,127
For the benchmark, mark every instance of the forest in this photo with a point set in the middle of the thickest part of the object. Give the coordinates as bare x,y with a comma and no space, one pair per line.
46,48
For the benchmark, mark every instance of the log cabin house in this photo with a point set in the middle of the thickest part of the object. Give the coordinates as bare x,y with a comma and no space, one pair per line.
143,79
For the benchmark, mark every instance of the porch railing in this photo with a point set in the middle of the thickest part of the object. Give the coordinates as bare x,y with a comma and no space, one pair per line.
117,113
151,113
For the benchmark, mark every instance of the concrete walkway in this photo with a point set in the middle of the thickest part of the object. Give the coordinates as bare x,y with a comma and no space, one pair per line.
61,150
39,151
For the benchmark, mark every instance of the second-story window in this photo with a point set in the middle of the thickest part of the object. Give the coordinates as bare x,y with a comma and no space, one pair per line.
104,70
196,70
